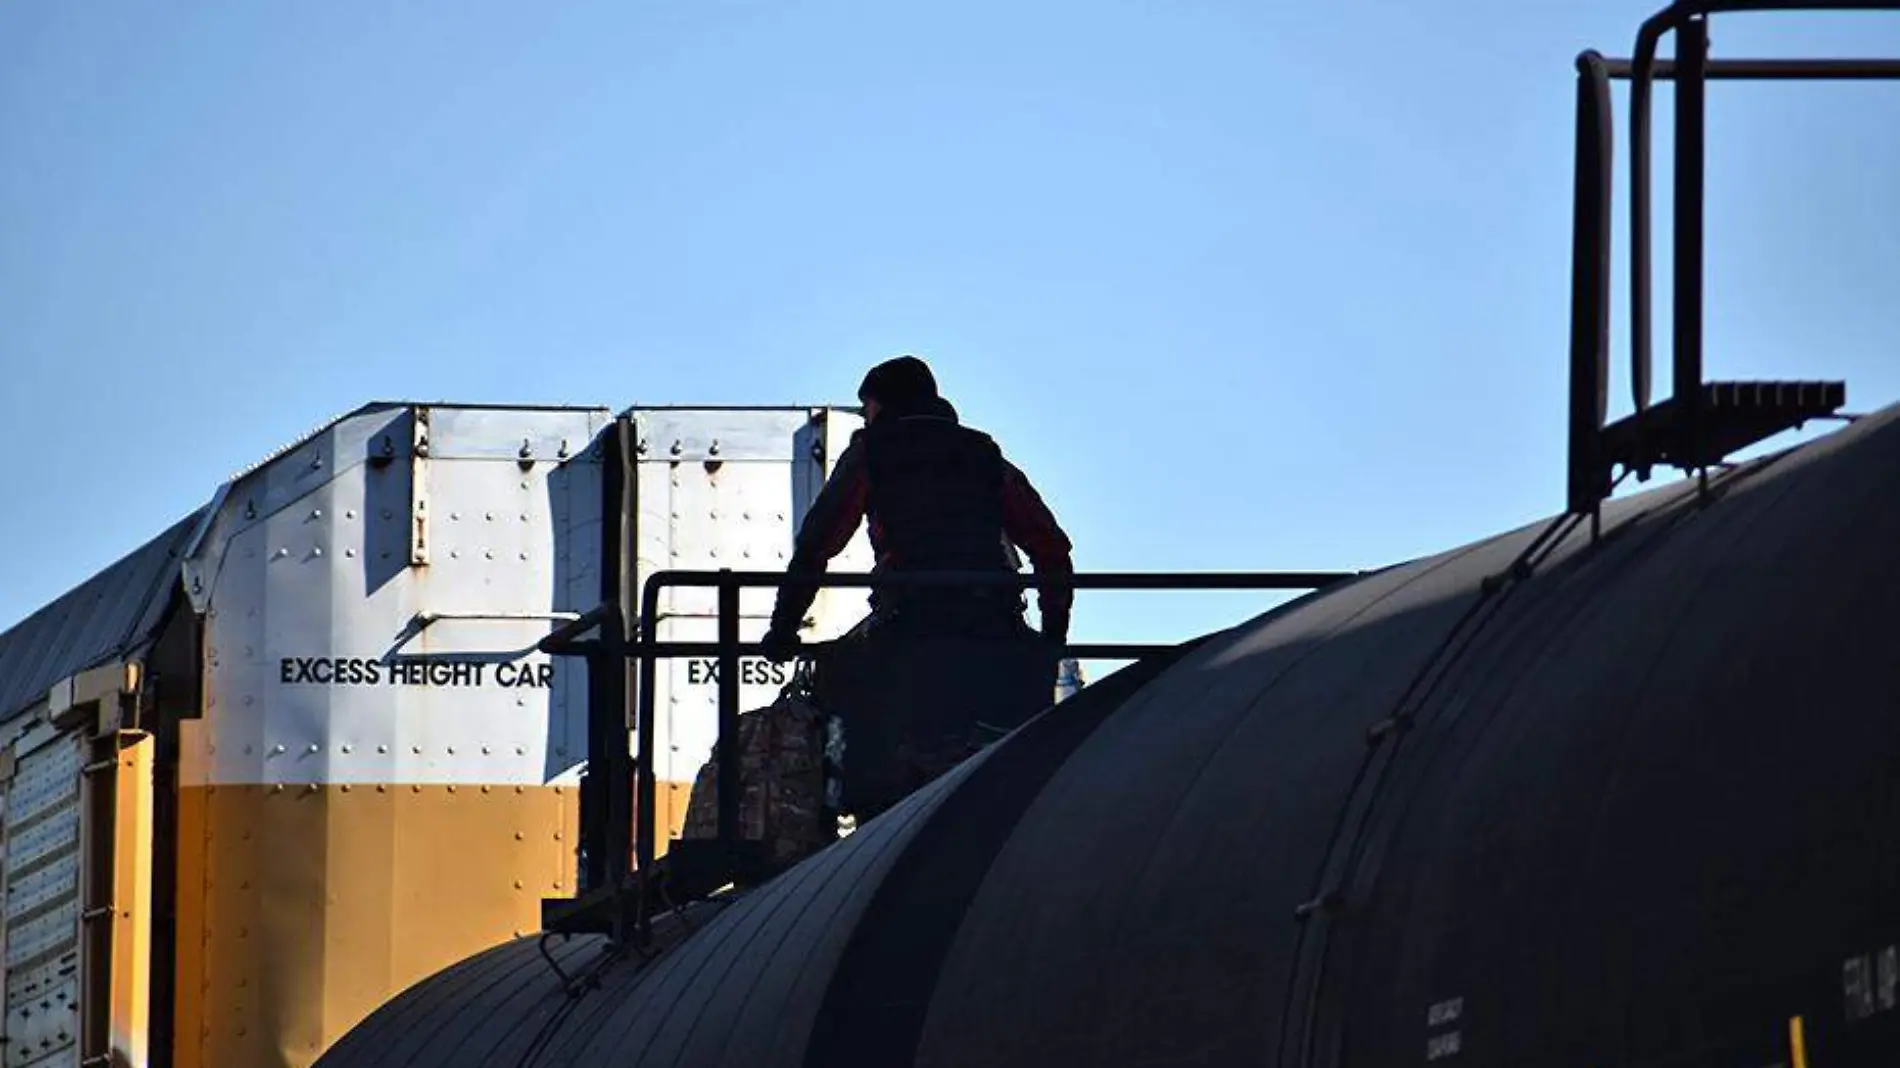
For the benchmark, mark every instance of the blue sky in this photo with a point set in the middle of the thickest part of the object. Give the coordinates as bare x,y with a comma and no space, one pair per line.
1240,285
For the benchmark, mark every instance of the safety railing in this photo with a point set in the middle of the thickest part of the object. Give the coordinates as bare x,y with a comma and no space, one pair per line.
610,830
1683,430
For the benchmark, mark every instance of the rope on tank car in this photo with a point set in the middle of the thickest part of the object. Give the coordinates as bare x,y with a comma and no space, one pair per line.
575,988
553,964
572,991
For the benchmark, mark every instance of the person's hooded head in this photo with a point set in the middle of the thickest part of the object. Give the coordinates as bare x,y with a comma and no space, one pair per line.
903,386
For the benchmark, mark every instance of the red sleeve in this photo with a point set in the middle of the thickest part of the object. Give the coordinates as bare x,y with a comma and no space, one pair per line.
826,530
1030,524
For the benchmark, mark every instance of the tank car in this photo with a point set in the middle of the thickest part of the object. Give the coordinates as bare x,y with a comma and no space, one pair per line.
1616,787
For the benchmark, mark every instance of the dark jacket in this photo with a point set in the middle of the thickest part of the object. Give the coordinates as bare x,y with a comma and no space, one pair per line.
938,496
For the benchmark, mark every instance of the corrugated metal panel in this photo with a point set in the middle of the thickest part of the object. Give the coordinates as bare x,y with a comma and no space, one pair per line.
728,488
108,614
42,898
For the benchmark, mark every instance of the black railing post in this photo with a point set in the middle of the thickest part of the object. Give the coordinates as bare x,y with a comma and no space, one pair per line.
605,789
1692,53
1590,286
728,772
646,793
1640,87
1682,431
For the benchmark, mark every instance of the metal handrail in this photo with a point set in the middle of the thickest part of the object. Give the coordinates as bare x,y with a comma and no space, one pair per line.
617,825
1590,296
1690,71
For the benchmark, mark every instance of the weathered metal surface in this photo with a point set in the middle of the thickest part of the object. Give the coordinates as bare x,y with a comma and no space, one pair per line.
727,488
115,967
42,869
375,715
103,618
1531,801
334,659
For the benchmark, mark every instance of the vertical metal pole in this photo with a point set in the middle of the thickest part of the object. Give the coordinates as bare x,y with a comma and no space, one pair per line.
645,791
617,762
604,795
1641,70
728,712
1590,285
1692,53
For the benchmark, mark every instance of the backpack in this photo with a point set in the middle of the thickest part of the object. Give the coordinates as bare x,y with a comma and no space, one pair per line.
786,775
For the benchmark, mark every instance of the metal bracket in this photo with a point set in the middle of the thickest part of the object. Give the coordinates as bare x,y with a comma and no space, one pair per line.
1328,901
419,489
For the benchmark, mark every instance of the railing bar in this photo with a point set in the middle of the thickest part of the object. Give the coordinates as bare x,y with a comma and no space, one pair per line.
1769,69
1100,580
613,643
728,755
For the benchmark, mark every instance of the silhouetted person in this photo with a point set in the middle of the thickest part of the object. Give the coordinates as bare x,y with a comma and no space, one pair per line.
938,496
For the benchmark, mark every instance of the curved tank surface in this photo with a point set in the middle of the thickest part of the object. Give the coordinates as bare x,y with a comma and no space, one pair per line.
1546,798
745,980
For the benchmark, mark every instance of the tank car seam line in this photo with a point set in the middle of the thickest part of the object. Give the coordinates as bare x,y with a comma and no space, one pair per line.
572,997
506,970
1583,607
1330,897
493,969
896,839
1595,820
1658,656
1357,858
1679,509
707,952
643,960
401,1009
634,1009
1072,724
582,1016
1683,505
897,843
1252,708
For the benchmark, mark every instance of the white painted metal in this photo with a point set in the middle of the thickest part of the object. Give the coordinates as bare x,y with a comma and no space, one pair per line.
40,810
372,595
835,611
738,508
320,668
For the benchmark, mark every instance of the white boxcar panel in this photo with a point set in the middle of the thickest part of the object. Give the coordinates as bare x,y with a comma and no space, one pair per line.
835,611
42,900
727,488
334,659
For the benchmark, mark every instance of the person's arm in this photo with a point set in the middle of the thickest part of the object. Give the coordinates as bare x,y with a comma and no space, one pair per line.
826,530
1030,524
